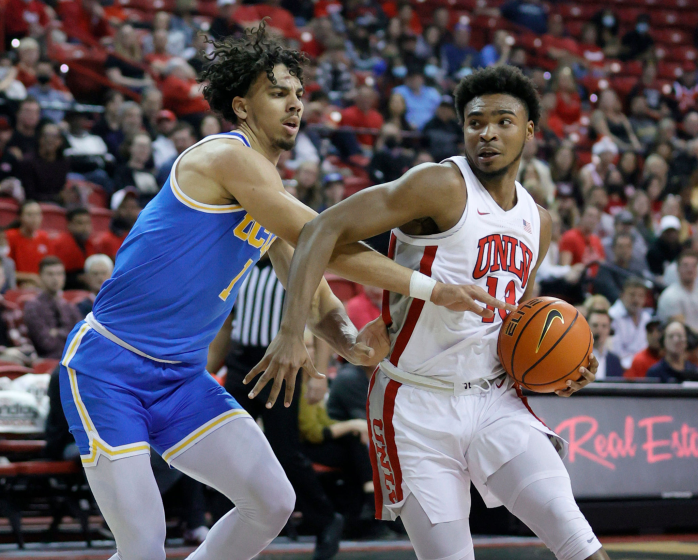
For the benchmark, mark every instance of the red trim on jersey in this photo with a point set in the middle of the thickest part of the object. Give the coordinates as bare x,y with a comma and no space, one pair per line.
386,294
377,488
524,400
415,309
389,432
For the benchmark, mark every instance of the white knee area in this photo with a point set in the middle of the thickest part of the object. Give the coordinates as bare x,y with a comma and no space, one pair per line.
548,507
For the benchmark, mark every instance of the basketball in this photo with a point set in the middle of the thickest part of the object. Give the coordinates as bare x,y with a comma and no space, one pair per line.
544,343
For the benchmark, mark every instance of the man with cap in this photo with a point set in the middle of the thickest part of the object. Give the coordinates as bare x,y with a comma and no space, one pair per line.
126,207
646,358
163,146
594,174
442,135
624,222
666,247
421,100
681,298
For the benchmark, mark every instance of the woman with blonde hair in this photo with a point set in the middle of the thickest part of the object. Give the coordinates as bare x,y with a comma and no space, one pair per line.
124,65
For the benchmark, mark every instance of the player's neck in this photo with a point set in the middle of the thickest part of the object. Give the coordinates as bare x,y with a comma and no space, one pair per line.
260,144
502,189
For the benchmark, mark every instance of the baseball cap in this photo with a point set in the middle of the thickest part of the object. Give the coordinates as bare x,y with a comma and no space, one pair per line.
117,199
604,145
669,222
624,217
333,178
165,114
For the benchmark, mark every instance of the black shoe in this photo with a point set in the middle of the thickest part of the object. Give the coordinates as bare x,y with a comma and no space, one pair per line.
328,540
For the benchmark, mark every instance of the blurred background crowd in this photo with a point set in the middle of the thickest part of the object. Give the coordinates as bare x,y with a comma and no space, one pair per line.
99,98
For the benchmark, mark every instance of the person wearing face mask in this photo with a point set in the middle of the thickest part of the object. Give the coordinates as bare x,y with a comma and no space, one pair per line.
637,43
74,246
46,94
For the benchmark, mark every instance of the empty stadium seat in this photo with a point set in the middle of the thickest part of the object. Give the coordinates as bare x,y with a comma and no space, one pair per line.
671,37
47,365
13,371
101,218
680,54
20,296
668,70
54,217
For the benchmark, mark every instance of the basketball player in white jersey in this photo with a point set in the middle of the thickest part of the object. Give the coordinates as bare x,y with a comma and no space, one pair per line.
442,412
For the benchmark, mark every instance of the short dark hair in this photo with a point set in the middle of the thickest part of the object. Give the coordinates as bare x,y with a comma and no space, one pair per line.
75,212
687,253
235,64
508,80
634,282
183,126
49,261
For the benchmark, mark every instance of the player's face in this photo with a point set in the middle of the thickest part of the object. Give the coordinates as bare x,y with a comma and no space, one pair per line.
496,128
275,110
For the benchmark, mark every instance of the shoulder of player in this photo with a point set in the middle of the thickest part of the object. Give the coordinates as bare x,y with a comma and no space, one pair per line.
436,178
226,155
546,221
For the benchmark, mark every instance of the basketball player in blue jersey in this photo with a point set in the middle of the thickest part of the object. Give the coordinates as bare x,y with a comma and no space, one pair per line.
133,373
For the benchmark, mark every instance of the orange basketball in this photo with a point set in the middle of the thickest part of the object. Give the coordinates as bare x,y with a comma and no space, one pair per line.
544,343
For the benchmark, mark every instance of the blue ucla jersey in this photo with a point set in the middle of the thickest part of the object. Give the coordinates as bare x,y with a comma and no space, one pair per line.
178,273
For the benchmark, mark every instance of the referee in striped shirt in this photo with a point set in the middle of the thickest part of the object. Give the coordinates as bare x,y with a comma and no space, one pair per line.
242,343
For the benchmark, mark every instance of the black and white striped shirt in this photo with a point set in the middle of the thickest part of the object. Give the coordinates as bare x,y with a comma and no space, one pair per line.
257,312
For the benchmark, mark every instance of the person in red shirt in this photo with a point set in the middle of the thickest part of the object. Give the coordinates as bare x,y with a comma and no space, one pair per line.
126,208
158,59
365,307
646,358
28,244
28,54
580,244
181,93
84,20
74,246
24,18
279,18
364,115
569,103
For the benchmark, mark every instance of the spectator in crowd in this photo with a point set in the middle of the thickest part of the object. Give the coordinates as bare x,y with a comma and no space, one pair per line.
421,100
642,123
308,188
158,59
151,105
26,18
397,111
135,172
390,160
595,172
646,358
181,93
607,26
183,138
15,345
458,54
629,318
532,14
223,24
126,207
637,43
124,65
442,135
110,121
73,247
49,318
163,147
609,363
10,185
84,20
650,89
667,247
24,136
569,104
80,141
98,269
44,175
28,244
210,125
497,53
29,55
609,120
624,223
130,124
7,265
529,162
681,298
333,189
613,274
674,367
364,115
334,73
45,93
580,244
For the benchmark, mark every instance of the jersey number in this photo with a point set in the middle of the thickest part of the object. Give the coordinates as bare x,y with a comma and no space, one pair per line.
509,297
225,293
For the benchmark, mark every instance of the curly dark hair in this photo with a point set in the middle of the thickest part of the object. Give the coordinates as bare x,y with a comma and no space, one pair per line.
235,64
508,80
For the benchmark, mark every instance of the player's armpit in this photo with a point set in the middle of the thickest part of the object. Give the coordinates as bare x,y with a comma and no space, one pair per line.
546,232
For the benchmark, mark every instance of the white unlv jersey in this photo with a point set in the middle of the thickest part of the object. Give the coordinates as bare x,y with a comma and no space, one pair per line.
489,247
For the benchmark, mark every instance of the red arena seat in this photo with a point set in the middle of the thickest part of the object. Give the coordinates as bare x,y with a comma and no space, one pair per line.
54,217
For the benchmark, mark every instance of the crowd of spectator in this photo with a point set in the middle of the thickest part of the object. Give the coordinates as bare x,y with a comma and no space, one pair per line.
98,99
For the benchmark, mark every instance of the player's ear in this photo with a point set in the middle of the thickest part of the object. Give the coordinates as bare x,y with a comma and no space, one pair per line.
530,130
240,107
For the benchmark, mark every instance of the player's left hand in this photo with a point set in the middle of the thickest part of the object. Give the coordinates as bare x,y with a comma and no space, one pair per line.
588,375
284,357
374,335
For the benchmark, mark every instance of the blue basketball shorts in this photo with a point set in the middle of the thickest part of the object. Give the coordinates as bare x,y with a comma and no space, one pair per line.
119,404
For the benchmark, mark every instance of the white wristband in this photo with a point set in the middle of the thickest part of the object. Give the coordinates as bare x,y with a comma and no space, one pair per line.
421,286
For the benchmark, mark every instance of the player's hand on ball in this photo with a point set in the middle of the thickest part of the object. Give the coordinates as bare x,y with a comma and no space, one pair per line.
284,357
465,298
588,376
